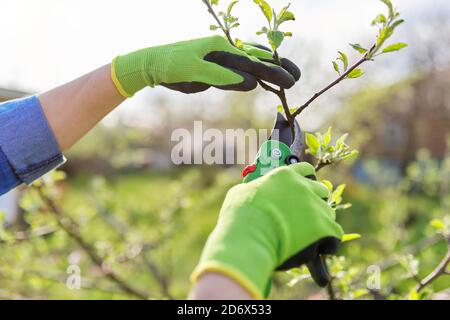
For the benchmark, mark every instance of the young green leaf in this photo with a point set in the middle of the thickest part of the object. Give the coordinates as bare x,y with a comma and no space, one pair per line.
384,34
336,67
313,143
264,30
356,73
395,47
341,141
413,295
358,47
213,27
350,154
350,236
359,293
239,44
379,19
344,59
395,24
336,197
281,13
343,206
275,39
214,2
388,3
231,5
266,9
288,16
328,184
284,16
437,224
326,138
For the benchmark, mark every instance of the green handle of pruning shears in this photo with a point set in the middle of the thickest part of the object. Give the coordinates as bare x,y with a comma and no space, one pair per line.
273,154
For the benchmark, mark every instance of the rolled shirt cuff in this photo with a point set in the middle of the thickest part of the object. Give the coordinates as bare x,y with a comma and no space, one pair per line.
27,140
8,179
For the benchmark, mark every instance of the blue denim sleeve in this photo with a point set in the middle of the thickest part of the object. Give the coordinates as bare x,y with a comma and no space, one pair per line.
8,179
28,148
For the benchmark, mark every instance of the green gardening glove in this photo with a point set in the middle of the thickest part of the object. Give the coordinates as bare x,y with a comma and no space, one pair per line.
195,65
276,222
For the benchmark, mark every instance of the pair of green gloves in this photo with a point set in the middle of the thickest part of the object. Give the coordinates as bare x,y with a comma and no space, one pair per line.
275,222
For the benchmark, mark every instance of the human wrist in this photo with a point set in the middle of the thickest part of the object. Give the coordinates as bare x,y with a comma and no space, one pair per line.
135,71
216,286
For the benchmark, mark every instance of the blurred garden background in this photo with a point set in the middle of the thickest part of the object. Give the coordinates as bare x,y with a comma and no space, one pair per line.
134,224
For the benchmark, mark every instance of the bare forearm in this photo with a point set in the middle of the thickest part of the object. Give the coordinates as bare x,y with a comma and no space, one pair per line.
76,107
215,286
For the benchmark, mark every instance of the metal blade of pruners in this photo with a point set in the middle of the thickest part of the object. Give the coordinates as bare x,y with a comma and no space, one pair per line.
282,132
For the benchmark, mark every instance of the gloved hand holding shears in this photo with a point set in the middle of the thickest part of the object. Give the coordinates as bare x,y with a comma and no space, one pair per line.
196,65
277,220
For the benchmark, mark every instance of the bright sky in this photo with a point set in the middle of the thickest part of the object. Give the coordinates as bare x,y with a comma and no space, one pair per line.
48,42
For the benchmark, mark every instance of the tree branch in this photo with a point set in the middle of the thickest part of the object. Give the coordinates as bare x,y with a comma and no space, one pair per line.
72,229
440,270
225,30
281,92
320,165
266,87
330,290
151,266
159,276
366,57
392,261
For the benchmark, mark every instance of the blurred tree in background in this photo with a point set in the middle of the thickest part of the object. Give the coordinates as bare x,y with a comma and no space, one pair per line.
135,231
132,224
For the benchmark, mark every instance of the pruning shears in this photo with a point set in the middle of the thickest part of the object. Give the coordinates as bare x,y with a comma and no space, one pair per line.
284,147
280,149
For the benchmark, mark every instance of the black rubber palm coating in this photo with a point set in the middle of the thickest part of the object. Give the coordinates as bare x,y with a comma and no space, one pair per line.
283,76
249,83
272,74
312,257
318,270
287,64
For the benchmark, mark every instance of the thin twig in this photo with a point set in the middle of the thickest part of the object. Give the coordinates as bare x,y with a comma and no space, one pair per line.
266,87
440,270
43,232
282,96
225,30
151,266
159,276
320,165
366,57
330,290
393,261
281,92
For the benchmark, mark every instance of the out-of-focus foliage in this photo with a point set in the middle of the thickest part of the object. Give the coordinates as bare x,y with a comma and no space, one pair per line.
405,234
148,223
148,228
